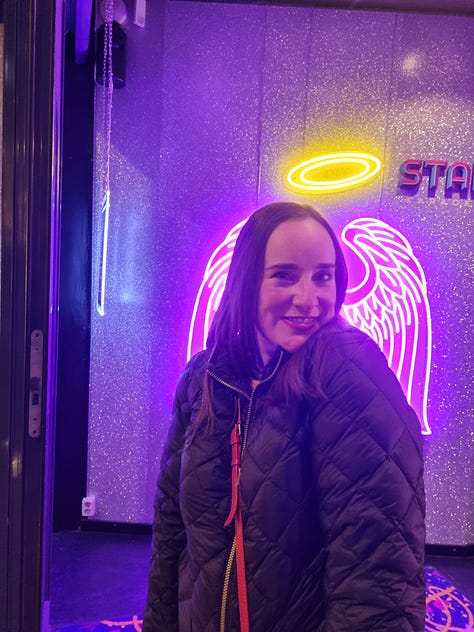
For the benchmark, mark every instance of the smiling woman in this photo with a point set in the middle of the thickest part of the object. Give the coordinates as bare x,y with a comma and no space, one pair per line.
290,495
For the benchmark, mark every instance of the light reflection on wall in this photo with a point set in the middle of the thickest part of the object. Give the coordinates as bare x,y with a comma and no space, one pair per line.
104,229
386,298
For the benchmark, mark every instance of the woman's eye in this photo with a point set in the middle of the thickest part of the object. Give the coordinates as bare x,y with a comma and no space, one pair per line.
324,277
282,275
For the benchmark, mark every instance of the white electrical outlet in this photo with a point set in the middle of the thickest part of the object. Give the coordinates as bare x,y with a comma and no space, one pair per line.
88,506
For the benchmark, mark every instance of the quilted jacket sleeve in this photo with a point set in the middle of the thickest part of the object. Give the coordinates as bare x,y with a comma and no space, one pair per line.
368,461
169,539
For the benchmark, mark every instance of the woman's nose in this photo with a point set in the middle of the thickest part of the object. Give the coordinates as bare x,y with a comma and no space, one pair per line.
306,296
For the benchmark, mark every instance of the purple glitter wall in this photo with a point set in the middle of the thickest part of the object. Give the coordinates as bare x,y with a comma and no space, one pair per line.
220,101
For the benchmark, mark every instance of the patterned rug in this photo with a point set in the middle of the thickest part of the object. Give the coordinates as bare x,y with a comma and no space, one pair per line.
447,610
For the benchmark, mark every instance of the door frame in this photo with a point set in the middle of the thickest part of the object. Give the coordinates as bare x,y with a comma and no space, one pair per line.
28,302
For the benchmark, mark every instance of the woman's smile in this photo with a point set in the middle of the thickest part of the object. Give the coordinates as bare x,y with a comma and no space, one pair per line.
300,323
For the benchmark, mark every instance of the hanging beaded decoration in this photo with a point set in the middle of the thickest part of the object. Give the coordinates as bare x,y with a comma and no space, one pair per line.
103,149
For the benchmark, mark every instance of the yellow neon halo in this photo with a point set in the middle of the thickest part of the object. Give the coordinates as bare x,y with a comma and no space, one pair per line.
297,176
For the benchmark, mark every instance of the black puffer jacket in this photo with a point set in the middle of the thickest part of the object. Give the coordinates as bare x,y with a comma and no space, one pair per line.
331,495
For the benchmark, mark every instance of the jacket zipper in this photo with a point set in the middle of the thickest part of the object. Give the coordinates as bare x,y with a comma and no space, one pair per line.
230,559
233,388
225,589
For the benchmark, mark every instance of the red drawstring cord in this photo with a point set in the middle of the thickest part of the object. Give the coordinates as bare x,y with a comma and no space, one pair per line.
235,515
236,446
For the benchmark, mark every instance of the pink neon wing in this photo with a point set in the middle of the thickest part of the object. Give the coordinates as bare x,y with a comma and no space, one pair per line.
210,291
387,299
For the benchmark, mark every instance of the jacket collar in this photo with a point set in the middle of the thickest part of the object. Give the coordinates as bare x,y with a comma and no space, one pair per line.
220,368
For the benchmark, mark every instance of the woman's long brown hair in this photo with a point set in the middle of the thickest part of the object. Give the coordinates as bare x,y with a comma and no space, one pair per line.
233,330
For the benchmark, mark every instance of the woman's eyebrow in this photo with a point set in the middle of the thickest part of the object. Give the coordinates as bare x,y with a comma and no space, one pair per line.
286,266
294,266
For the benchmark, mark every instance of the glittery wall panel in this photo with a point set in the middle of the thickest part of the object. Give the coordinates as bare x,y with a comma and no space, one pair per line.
123,392
284,98
210,140
184,168
432,116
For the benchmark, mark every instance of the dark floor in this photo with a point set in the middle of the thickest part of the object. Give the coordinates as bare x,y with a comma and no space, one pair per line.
96,576
104,575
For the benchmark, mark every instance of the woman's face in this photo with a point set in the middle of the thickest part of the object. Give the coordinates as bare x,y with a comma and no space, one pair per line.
298,291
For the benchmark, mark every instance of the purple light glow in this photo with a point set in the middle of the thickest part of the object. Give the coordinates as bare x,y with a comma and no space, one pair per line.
386,298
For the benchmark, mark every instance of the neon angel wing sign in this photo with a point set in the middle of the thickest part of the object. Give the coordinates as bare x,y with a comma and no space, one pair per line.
386,299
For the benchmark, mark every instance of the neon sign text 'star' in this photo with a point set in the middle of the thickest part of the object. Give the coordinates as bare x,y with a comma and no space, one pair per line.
459,176
302,176
386,298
